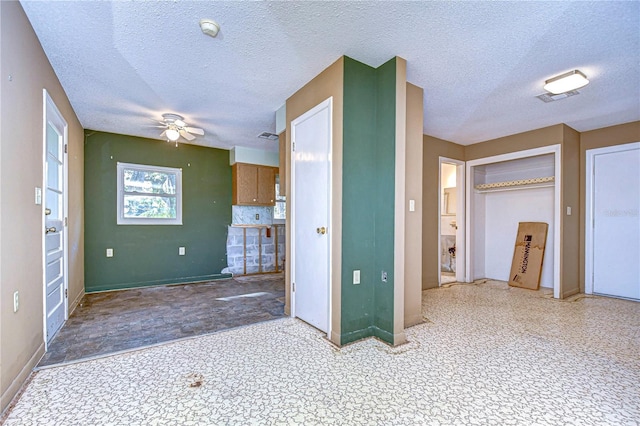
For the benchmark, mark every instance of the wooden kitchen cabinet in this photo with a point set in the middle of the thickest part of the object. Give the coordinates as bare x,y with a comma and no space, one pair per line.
253,185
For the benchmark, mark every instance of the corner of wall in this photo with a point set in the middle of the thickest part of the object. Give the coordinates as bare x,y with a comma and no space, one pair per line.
570,197
413,219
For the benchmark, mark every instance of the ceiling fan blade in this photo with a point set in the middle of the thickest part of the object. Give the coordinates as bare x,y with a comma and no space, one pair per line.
163,134
195,130
186,135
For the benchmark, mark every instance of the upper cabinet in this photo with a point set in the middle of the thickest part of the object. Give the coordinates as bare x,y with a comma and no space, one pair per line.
253,185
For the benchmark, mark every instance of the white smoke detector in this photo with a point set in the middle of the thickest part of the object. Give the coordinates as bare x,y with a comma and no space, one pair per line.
209,27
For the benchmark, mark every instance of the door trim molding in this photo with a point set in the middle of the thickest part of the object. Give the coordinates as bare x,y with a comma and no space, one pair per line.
326,104
51,113
460,218
557,208
588,206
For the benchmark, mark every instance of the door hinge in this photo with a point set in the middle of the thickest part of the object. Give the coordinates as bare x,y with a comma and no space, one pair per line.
66,149
293,146
66,293
66,223
294,287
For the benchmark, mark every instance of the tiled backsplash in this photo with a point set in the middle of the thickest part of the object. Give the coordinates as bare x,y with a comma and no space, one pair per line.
246,215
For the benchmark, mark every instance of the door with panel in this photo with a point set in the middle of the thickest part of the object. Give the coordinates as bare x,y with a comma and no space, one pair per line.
616,224
55,281
311,186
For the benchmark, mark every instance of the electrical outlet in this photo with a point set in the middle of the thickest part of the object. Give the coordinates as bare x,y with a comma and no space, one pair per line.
181,251
257,216
109,252
383,277
16,301
356,276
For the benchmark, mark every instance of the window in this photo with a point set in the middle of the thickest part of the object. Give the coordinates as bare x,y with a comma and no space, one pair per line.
280,209
149,195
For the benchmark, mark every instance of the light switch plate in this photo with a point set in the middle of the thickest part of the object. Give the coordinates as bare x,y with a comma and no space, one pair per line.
181,251
38,195
412,205
109,252
356,276
568,210
16,301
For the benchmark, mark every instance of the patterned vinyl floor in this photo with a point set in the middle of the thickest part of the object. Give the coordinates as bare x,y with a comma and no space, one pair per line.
487,354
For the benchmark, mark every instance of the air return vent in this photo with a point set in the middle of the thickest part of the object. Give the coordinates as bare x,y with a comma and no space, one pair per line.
268,135
550,97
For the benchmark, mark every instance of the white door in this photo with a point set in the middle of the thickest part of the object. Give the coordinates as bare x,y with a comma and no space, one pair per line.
54,220
311,184
615,192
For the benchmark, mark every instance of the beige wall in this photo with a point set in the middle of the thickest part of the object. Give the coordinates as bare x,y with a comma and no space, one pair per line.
329,82
413,220
522,141
433,148
21,171
600,138
401,204
570,224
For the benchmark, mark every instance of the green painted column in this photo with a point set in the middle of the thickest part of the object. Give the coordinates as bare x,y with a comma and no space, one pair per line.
368,193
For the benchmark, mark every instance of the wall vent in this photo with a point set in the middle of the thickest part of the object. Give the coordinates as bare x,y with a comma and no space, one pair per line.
550,97
268,135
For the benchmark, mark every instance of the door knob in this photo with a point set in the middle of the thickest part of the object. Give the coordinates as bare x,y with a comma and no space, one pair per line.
52,229
322,230
47,212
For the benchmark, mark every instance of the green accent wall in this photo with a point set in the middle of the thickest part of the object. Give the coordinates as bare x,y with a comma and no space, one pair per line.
385,166
146,255
368,200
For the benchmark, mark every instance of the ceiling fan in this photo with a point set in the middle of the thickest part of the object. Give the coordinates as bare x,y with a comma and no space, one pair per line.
175,127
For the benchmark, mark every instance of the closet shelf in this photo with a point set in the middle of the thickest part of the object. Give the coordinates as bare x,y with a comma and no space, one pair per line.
540,182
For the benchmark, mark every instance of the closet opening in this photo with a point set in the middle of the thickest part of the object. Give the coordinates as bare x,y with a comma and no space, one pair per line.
503,191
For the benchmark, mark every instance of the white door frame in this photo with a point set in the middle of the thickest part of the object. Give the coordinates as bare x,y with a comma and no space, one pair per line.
323,105
460,217
557,208
589,207
51,113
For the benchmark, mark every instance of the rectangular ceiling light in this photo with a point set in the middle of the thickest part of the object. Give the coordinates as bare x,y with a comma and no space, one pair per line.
566,82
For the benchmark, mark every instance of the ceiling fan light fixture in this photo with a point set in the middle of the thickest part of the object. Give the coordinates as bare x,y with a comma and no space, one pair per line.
209,27
172,134
566,82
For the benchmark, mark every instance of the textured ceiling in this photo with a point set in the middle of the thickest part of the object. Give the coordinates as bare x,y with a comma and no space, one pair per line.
481,64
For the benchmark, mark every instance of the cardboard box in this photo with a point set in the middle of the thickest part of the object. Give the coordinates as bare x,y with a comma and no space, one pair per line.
528,255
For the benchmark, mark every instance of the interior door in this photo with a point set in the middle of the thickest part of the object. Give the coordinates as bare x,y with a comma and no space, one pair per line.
311,137
616,224
54,240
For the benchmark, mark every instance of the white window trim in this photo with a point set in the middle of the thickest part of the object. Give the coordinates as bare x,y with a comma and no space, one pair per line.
121,220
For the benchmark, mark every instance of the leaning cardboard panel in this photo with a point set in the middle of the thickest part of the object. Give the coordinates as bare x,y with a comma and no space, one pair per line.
528,254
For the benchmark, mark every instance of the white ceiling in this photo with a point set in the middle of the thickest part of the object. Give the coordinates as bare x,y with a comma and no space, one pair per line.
481,64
